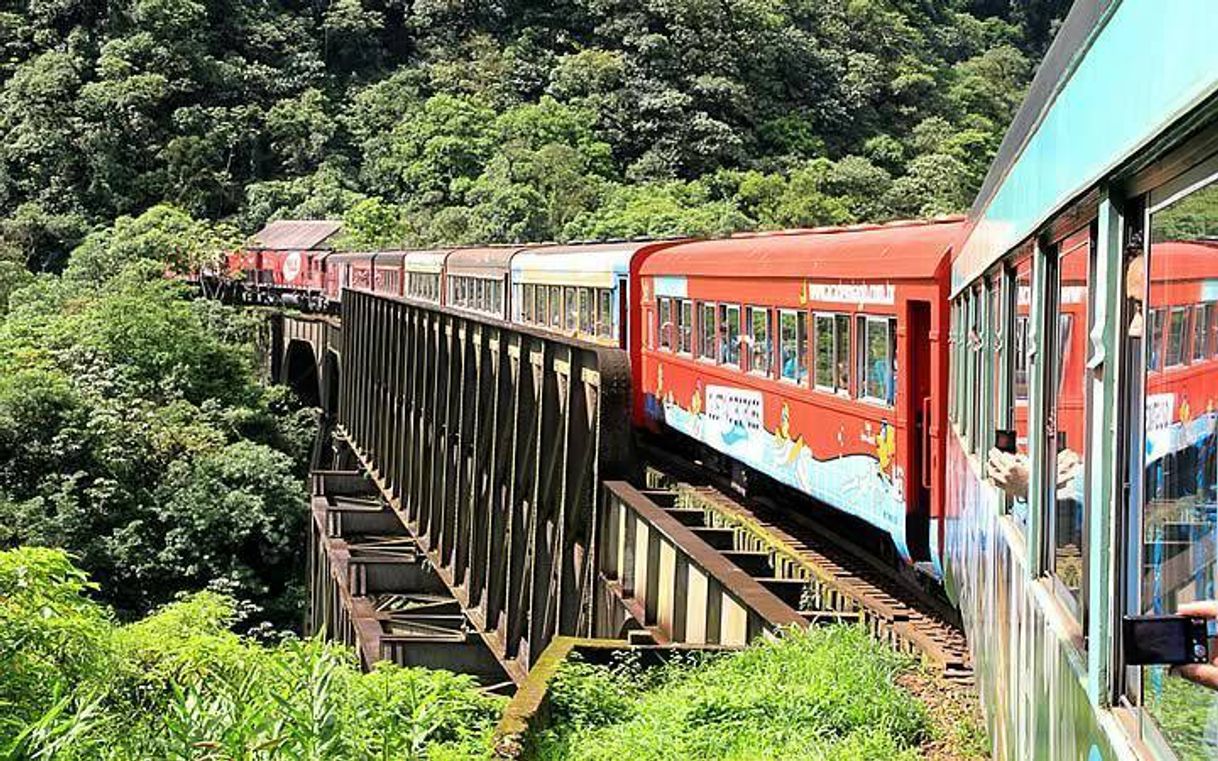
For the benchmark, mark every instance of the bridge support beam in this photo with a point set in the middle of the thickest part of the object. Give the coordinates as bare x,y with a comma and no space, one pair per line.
489,442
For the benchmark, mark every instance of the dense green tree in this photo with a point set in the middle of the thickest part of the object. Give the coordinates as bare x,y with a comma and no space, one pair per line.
494,121
372,224
133,430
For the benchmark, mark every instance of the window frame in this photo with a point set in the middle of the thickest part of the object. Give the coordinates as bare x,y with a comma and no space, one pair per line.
684,326
863,325
801,346
728,346
664,323
751,313
837,320
711,346
1052,377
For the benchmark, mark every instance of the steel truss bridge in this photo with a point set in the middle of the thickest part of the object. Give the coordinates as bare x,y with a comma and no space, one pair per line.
472,500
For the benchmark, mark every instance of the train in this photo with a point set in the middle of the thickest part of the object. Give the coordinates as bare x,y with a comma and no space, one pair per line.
1023,401
785,358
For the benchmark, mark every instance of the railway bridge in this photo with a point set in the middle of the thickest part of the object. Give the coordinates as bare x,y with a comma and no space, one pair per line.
475,493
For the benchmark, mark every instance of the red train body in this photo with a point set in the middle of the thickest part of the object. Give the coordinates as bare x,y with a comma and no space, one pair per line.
814,358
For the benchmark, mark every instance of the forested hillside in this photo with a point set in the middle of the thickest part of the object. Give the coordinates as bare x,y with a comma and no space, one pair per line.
459,121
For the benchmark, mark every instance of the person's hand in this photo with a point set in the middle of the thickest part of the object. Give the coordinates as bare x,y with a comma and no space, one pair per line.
1069,466
1009,472
1205,674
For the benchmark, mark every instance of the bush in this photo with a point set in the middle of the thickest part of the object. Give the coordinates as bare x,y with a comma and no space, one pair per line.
824,693
180,685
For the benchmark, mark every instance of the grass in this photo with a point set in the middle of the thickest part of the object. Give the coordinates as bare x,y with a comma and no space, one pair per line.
828,693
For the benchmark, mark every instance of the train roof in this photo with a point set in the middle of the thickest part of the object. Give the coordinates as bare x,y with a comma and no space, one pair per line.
294,235
590,264
487,261
430,261
1176,260
352,256
907,250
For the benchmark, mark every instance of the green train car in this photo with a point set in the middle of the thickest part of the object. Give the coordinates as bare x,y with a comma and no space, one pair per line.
1085,323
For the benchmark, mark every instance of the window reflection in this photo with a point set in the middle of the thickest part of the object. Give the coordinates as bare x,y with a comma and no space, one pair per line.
707,325
1179,486
1017,490
1068,446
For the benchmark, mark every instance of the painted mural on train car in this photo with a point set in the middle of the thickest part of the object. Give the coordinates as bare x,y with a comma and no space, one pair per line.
844,461
1028,670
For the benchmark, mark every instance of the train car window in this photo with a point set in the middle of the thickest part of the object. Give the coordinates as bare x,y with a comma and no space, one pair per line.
1179,463
585,311
842,358
665,326
685,335
833,353
976,358
1067,446
999,354
706,330
729,334
1175,336
1015,467
555,307
876,373
527,305
793,337
1202,317
604,320
1211,310
1155,360
571,316
825,348
953,360
759,340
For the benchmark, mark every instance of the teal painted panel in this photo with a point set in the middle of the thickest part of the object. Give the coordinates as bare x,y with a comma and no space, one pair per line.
1151,62
671,285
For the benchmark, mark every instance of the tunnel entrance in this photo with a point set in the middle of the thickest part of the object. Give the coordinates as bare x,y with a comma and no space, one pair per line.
300,373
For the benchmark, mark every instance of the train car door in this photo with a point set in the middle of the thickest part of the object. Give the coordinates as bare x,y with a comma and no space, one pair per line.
921,446
623,312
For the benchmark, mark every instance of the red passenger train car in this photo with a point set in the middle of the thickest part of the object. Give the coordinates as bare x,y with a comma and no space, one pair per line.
1181,329
813,357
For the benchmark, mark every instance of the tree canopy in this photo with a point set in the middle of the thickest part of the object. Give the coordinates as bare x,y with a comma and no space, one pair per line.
503,120
134,430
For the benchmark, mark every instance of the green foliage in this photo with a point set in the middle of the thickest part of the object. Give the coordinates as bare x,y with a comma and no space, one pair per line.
163,235
373,224
495,122
180,685
824,693
135,434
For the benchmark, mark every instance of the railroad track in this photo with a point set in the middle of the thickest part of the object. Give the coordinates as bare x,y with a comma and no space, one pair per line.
842,581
